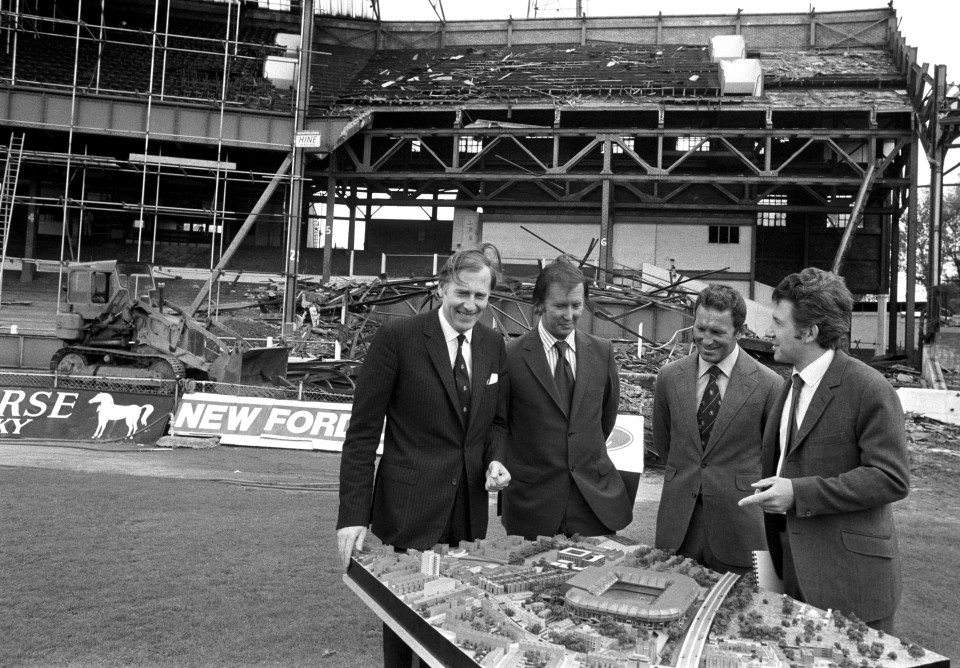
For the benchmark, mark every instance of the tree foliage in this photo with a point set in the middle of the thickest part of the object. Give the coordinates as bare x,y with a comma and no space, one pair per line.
950,241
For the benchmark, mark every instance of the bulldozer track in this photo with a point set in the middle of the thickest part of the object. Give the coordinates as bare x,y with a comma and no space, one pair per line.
121,357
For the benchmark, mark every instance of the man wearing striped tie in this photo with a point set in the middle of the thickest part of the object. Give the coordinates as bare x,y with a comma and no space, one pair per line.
558,406
433,379
709,413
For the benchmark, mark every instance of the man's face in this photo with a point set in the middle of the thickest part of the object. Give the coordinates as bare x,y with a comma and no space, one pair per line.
714,334
787,342
562,308
465,297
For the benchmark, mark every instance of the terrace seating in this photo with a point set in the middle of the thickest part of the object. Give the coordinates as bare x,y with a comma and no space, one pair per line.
194,63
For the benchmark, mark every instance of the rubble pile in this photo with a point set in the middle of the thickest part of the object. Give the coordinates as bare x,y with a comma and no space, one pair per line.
934,446
897,371
338,319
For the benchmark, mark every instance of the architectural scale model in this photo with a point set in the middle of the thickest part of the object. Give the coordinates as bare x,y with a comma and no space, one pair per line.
606,603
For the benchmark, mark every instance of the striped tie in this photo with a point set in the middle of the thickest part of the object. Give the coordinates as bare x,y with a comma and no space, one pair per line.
462,379
709,406
563,376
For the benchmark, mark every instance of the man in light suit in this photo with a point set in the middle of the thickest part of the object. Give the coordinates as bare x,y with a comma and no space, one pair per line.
709,412
558,406
435,378
837,462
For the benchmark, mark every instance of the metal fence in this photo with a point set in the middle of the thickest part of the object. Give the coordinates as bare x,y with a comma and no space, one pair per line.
91,383
301,392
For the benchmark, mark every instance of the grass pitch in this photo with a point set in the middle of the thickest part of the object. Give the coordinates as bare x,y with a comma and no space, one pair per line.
106,569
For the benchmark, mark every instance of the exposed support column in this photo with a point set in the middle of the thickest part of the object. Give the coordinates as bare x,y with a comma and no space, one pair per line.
893,317
882,303
936,156
352,225
605,230
27,269
328,223
296,208
936,229
933,277
910,329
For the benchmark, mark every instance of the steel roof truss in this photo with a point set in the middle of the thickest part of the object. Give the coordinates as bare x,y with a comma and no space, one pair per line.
487,147
744,159
690,151
843,154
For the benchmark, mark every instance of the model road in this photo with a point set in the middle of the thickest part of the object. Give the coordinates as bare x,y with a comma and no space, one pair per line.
692,647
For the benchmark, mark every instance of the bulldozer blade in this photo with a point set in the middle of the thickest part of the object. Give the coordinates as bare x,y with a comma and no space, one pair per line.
264,365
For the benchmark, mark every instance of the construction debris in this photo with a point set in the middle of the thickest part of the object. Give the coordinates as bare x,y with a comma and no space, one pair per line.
596,71
338,320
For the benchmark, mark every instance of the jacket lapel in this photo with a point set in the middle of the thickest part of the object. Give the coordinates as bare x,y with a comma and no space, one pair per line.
771,434
686,396
536,360
741,385
439,355
588,363
821,398
480,351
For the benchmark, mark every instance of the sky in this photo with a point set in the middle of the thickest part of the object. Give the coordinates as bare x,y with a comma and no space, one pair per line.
932,26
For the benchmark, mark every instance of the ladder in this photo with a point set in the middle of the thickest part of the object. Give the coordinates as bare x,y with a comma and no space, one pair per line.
8,196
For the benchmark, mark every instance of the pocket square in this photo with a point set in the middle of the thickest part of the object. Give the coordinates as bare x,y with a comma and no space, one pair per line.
492,379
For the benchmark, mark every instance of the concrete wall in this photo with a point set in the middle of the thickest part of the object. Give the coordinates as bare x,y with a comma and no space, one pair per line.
634,243
686,245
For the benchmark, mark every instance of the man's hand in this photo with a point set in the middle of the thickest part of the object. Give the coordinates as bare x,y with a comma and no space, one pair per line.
349,538
497,477
776,497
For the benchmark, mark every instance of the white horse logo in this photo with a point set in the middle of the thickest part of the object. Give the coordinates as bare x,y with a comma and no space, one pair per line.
107,412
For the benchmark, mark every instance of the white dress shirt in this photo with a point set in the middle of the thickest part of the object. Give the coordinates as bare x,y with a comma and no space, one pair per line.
549,340
450,335
723,379
812,374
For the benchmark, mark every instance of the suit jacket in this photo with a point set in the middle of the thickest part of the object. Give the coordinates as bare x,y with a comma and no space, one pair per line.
848,464
407,378
547,450
723,470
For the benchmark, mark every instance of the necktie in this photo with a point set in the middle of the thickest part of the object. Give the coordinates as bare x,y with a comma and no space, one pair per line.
462,379
778,521
709,406
563,376
794,402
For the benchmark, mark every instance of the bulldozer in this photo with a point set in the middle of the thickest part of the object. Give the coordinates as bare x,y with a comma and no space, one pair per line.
114,322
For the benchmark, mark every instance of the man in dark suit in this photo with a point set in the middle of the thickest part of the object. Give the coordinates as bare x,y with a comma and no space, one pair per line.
435,378
709,412
837,462
558,406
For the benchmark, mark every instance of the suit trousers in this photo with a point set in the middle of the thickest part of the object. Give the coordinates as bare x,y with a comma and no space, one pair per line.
579,517
696,545
396,653
458,525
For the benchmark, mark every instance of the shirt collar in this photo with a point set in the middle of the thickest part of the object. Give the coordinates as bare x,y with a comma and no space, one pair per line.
449,333
549,339
726,364
814,372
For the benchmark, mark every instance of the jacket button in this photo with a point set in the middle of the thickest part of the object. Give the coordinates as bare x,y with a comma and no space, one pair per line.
572,469
703,465
454,482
